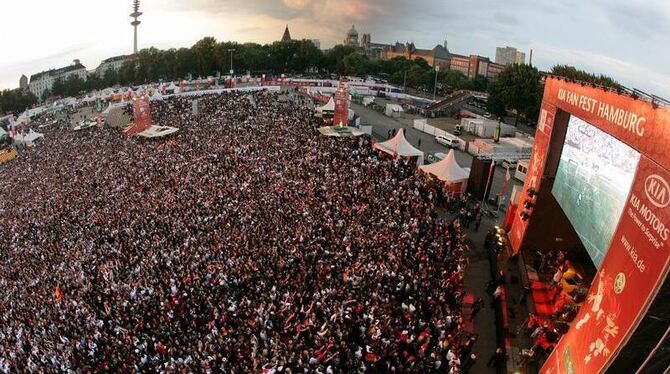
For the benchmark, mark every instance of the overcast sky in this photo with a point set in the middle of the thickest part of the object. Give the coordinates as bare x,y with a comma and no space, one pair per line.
626,39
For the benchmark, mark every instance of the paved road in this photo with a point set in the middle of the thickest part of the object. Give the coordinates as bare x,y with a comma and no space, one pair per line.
381,124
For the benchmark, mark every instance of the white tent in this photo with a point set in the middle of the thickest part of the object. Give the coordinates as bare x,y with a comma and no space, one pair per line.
29,138
329,107
23,118
157,95
368,100
158,131
399,146
393,110
448,170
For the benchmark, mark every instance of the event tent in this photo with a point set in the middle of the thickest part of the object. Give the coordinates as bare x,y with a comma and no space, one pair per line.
158,131
399,146
156,95
393,110
340,131
29,138
448,171
329,107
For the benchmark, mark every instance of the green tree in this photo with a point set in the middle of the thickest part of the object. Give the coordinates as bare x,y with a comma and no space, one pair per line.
307,56
16,101
333,58
478,83
573,73
418,76
127,72
517,88
452,79
254,57
205,55
58,87
110,77
187,63
354,64
45,95
73,85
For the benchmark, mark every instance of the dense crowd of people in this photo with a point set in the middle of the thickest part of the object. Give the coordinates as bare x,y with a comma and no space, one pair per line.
245,243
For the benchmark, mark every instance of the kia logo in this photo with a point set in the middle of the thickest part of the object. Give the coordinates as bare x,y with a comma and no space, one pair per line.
657,190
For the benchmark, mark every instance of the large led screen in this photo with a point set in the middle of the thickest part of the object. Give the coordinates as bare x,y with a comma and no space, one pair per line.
592,183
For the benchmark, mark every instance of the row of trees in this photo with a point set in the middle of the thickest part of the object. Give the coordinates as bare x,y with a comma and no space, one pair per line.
16,101
518,89
208,57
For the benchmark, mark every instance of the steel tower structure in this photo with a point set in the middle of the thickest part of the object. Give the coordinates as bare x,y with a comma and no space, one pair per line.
135,14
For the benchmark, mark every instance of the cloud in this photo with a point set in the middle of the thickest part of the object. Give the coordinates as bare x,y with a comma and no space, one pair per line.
626,39
644,20
297,4
506,18
625,72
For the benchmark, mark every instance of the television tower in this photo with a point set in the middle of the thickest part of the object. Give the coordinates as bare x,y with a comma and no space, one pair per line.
136,13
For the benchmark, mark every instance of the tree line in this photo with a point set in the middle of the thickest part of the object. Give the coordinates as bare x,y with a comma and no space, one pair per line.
207,57
518,89
16,101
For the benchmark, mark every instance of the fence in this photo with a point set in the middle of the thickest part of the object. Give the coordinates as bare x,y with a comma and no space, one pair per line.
423,126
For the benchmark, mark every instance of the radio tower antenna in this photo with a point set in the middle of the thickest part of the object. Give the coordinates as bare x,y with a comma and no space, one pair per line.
135,14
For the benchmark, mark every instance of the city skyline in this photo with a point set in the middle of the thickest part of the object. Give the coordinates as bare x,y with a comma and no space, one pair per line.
598,37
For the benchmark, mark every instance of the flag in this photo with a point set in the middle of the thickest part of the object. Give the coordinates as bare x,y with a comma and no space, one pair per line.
507,178
371,357
58,294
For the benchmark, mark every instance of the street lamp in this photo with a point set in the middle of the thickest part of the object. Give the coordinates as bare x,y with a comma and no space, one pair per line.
437,70
404,83
231,60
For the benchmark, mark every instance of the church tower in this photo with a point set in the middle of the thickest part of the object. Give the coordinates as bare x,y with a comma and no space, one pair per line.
287,36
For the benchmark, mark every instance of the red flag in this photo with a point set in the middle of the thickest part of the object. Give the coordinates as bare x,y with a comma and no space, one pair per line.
58,294
504,186
371,357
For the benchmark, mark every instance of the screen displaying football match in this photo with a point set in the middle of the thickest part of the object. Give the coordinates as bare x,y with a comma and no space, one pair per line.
592,183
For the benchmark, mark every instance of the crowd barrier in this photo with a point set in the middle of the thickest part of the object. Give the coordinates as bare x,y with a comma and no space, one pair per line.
423,126
219,91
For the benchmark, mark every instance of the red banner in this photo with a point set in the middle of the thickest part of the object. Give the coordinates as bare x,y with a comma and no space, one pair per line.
634,122
141,114
535,171
638,259
635,266
341,116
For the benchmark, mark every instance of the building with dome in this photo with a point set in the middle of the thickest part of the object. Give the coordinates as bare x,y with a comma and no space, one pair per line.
352,38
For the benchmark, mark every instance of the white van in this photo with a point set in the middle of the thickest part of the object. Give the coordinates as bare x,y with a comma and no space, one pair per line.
509,164
451,141
521,170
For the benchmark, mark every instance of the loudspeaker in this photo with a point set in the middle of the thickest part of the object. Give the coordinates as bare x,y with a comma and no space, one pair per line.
479,173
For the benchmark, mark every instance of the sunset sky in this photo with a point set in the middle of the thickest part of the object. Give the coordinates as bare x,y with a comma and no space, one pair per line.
626,39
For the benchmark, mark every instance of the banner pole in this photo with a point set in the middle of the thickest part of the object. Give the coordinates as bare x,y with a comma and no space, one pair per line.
489,180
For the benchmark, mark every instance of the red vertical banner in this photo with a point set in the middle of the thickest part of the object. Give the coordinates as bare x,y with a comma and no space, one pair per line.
141,115
634,268
341,116
535,170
